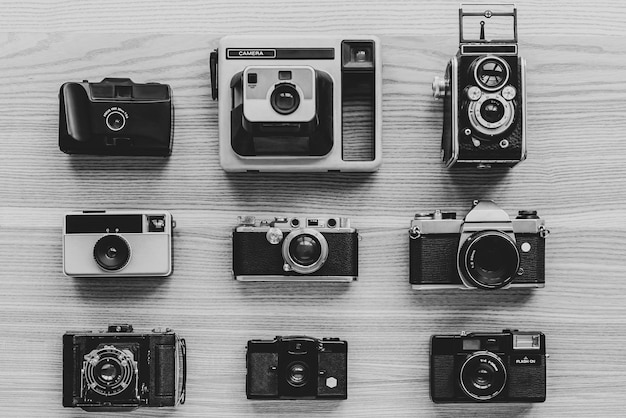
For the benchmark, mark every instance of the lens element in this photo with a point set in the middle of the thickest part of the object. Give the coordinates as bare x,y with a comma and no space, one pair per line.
492,111
115,121
489,259
482,376
491,72
111,252
305,250
297,374
285,99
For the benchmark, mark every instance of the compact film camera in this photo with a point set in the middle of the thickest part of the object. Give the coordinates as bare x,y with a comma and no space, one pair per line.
298,103
484,91
106,243
488,367
486,250
121,370
297,368
116,117
295,249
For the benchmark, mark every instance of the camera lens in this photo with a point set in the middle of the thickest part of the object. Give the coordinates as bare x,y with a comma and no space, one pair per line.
111,252
489,259
285,99
483,376
491,73
108,372
305,249
492,111
297,374
115,121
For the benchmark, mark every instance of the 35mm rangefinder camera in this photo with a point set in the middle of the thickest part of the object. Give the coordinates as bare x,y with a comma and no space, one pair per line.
488,367
487,250
116,117
298,103
295,249
297,368
484,91
121,370
107,243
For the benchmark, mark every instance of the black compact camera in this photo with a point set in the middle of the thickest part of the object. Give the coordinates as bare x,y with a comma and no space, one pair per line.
297,249
298,103
488,367
484,91
486,250
116,117
297,368
121,370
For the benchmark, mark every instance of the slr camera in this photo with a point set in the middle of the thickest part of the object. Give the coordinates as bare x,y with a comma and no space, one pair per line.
487,250
116,117
488,367
298,103
297,368
484,91
121,370
106,243
295,249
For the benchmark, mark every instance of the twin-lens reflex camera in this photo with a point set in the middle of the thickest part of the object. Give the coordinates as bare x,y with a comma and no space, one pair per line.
484,91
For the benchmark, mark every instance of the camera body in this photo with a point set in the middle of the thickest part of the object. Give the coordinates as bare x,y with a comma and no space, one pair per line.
488,367
116,117
299,103
486,250
484,93
108,243
295,249
297,368
121,370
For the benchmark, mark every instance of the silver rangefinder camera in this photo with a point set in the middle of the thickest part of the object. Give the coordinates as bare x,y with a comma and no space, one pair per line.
298,103
295,249
110,243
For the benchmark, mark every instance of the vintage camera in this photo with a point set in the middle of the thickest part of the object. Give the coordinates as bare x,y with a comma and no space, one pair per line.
105,243
486,250
295,249
297,368
116,117
120,369
298,103
488,367
484,91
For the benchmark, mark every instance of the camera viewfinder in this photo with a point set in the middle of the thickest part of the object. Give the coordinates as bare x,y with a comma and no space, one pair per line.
471,345
156,223
284,75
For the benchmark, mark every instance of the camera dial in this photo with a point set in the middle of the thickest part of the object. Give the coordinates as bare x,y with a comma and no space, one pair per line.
285,99
111,252
304,251
488,260
482,376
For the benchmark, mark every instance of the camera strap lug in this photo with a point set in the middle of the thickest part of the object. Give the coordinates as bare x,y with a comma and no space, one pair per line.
543,231
414,232
213,66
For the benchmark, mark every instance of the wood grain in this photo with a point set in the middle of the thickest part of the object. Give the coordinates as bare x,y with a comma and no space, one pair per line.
573,176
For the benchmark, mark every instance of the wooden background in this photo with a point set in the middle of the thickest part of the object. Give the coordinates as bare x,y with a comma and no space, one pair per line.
574,177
